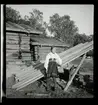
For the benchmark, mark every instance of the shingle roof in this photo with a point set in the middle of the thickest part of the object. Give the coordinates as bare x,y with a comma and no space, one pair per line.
15,27
30,29
47,42
21,28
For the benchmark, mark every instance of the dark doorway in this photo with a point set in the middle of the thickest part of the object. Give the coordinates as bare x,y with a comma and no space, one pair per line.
32,49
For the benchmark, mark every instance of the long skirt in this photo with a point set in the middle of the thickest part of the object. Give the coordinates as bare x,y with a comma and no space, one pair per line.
52,74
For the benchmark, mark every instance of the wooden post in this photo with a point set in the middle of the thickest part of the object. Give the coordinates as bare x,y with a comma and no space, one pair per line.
19,42
70,81
37,52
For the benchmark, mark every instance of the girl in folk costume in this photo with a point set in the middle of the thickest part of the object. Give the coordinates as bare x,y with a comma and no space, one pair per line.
51,65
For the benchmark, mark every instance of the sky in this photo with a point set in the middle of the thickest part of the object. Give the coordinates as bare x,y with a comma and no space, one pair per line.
82,15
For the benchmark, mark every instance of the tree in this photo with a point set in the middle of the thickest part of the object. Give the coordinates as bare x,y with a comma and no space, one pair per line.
25,20
36,18
90,38
36,21
12,15
80,38
63,28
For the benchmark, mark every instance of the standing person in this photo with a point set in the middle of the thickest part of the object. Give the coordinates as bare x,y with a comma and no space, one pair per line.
51,65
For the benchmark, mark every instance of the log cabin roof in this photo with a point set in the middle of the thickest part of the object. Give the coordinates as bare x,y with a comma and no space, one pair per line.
15,27
21,28
30,29
48,41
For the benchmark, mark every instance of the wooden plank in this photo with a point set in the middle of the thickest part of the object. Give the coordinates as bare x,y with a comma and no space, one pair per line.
25,55
30,81
12,50
25,46
70,81
24,73
79,50
48,45
75,56
32,75
26,59
28,74
24,36
12,57
25,49
12,47
44,51
71,59
12,38
11,33
12,60
25,39
24,70
25,43
71,50
8,52
12,43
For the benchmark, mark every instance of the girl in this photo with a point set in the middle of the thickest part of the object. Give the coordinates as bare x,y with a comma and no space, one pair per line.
51,65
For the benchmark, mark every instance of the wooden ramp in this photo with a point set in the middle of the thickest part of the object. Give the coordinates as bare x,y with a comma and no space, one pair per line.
32,75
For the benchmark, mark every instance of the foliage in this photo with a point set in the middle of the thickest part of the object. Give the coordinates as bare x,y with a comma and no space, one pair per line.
82,38
12,15
63,28
90,38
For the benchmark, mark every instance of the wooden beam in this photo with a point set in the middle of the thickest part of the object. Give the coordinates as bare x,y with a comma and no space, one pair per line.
70,81
29,81
47,45
25,80
67,60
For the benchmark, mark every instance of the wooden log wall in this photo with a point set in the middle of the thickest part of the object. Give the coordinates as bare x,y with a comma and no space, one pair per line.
25,47
12,46
16,43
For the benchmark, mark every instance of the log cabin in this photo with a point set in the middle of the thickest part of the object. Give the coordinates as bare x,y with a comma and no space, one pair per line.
25,43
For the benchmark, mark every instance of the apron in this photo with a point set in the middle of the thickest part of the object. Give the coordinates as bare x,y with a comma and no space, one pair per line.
52,68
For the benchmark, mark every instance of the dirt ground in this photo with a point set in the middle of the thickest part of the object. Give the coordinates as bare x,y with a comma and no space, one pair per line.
33,91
